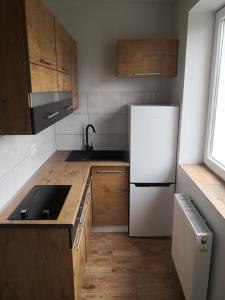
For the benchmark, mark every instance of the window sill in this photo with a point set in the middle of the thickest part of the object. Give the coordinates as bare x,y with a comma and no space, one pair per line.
209,184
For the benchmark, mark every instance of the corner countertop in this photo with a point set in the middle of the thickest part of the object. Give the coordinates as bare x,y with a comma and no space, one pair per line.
56,171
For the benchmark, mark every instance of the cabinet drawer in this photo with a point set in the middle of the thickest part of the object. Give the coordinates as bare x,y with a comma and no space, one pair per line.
44,116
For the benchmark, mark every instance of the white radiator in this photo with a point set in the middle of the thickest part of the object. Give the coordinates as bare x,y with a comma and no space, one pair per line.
191,248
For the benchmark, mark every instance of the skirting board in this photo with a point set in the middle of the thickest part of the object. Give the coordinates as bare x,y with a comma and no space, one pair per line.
109,229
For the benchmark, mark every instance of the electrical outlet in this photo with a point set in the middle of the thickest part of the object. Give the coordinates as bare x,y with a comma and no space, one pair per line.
33,149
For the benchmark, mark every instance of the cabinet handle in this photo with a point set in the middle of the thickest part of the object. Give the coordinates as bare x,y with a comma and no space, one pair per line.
65,69
46,61
110,172
81,219
149,73
77,244
88,197
50,116
69,107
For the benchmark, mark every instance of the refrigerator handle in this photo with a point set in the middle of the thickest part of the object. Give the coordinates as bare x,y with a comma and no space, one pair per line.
153,184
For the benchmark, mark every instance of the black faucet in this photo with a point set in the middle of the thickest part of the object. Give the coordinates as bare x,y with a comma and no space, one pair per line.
87,146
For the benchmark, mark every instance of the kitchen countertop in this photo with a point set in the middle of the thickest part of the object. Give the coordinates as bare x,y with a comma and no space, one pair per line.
56,171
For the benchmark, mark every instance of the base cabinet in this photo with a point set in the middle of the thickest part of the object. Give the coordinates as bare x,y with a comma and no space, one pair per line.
110,196
45,262
79,250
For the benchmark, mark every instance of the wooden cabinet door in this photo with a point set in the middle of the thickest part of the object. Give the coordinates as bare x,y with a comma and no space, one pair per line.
143,58
43,79
110,196
40,33
74,73
63,49
64,82
88,219
79,259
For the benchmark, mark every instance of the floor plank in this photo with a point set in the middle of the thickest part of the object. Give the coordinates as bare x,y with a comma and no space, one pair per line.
124,268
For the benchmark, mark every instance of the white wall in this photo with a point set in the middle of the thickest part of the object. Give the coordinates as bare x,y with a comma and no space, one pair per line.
200,36
18,164
96,26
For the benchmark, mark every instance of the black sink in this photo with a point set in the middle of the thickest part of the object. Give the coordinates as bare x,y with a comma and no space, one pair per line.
43,202
97,155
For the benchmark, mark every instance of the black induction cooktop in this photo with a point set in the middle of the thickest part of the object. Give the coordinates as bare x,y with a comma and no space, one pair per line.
43,202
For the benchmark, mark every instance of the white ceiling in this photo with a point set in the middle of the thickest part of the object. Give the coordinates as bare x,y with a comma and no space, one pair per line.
209,5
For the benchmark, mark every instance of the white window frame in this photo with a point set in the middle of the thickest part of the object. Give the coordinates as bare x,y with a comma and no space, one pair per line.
214,165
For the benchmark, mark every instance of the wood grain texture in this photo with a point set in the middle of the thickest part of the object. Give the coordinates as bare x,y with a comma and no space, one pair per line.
74,73
123,268
43,79
209,184
79,260
57,171
110,196
14,87
63,49
35,264
64,82
40,33
143,58
88,221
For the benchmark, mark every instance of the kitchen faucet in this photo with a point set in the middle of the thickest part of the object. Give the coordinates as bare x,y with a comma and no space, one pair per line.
87,146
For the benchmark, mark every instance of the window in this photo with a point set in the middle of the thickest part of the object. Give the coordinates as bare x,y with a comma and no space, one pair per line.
215,140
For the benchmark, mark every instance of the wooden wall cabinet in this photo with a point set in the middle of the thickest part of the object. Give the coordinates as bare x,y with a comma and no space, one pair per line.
40,34
145,58
64,82
63,49
36,57
110,196
43,79
74,74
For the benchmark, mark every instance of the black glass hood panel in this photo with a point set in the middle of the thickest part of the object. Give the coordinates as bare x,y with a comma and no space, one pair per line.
49,108
43,202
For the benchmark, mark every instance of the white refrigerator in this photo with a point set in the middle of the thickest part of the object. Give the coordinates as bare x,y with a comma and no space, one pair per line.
153,132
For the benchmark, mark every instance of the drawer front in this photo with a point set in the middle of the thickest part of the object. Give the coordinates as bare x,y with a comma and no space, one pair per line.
66,107
44,116
110,196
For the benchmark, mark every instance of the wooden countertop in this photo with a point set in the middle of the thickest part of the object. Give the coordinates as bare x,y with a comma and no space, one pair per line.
56,171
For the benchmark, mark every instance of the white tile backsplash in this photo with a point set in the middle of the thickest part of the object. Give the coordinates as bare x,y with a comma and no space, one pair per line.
129,98
83,104
104,103
73,124
108,113
7,188
106,123
70,141
17,164
106,141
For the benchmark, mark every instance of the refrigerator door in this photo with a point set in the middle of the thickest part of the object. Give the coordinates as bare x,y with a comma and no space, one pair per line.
151,210
153,143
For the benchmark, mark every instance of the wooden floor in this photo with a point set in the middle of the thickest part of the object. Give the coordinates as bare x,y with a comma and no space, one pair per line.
123,268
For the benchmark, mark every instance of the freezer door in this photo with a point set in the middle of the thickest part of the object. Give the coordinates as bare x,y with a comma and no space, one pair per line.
153,143
151,210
